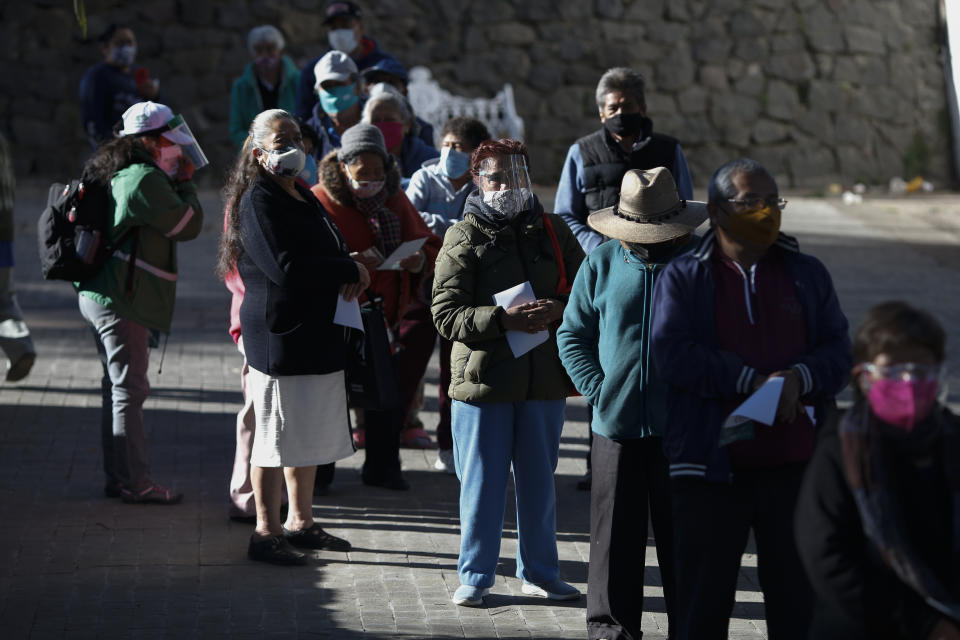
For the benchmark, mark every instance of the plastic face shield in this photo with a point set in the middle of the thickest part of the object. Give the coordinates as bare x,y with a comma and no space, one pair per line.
178,132
507,174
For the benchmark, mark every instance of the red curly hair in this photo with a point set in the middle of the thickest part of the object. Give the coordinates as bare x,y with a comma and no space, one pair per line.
494,148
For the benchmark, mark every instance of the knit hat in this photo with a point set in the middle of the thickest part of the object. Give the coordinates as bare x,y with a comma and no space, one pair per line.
360,138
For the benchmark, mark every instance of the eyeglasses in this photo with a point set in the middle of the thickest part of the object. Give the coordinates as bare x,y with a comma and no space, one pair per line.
756,203
906,371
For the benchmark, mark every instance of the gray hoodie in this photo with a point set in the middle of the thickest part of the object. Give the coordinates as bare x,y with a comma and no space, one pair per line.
432,194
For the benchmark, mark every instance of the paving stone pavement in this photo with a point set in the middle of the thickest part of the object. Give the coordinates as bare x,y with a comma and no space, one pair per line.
75,564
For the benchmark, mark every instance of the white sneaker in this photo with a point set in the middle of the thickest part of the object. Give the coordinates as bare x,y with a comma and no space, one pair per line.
444,461
556,590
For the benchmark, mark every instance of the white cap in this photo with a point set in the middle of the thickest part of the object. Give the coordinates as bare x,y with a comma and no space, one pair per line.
335,65
149,116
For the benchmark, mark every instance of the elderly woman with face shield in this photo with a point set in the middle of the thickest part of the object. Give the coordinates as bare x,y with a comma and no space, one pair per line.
508,403
268,82
360,187
878,514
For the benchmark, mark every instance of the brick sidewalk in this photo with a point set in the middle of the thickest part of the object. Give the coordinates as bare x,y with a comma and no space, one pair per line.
75,564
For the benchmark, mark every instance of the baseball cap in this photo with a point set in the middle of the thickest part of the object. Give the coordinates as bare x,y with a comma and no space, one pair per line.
337,9
388,65
146,118
334,65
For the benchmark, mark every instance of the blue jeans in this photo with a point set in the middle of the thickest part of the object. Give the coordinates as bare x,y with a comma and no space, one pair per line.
487,438
122,346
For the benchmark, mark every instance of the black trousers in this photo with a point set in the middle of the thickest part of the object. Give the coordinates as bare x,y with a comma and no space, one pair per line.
712,522
628,477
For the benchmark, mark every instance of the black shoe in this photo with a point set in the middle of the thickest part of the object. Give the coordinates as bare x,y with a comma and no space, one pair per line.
396,483
111,490
314,537
584,483
275,550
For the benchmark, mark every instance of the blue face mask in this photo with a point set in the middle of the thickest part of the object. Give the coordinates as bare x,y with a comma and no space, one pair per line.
338,98
453,163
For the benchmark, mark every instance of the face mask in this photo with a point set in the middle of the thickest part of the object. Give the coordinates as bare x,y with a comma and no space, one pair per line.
453,163
509,202
392,133
758,227
657,252
342,40
626,124
364,189
902,403
338,98
266,63
169,159
123,55
286,163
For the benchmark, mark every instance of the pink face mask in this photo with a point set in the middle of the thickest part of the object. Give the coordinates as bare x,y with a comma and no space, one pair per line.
392,133
902,403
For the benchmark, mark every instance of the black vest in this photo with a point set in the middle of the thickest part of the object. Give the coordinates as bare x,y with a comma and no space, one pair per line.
605,162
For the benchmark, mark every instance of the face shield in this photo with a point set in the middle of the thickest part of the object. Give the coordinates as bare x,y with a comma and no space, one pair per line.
505,185
178,132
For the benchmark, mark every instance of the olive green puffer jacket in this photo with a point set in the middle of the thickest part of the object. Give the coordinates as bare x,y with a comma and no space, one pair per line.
478,260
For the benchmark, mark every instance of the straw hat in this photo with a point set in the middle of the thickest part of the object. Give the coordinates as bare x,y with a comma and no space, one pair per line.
649,210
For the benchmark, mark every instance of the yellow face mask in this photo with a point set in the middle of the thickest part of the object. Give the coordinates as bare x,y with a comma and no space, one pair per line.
756,226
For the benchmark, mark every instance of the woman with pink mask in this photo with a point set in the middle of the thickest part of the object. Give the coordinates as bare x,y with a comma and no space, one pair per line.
878,518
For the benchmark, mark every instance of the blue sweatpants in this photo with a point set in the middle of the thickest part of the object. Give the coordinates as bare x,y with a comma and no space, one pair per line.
487,438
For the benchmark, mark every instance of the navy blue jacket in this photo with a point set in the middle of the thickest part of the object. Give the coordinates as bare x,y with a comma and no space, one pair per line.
293,262
701,377
105,93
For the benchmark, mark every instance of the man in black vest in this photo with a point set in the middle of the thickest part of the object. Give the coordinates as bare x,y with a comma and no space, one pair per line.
596,163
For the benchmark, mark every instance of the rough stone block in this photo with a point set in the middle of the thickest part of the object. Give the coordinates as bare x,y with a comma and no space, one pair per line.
510,33
768,132
707,50
675,71
828,96
857,164
692,100
823,30
783,102
864,40
747,24
614,31
853,130
752,50
196,12
790,66
537,10
811,166
647,11
713,77
814,123
612,9
234,16
866,70
750,83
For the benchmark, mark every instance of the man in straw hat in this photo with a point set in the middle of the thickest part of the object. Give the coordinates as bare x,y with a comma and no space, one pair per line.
604,346
745,310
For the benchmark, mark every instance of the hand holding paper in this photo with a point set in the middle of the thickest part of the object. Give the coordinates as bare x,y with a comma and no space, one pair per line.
760,407
348,313
405,250
520,341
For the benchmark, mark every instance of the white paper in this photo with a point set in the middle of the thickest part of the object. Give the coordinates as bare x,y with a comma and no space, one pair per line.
760,407
520,341
407,249
348,313
809,411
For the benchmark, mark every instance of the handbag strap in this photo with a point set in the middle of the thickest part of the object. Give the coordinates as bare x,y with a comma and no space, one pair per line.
563,287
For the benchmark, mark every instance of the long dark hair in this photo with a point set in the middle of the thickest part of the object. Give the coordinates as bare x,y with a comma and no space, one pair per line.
111,157
245,171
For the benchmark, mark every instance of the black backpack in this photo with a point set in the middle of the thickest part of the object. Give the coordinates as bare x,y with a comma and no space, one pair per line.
72,232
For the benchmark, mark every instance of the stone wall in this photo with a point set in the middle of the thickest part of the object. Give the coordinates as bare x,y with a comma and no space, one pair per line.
819,90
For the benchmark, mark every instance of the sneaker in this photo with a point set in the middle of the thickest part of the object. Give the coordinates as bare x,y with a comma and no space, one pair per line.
359,438
467,596
415,438
21,368
555,590
275,550
444,461
151,494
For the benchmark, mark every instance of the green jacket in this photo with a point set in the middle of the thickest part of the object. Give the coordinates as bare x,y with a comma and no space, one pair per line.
478,260
165,213
245,101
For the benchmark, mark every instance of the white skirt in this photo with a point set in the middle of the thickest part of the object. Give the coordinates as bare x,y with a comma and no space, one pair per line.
301,420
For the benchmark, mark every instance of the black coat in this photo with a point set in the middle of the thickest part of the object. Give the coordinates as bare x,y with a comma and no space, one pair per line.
292,263
858,595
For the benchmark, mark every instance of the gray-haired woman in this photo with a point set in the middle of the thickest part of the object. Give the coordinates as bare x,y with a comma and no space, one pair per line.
269,81
294,264
388,111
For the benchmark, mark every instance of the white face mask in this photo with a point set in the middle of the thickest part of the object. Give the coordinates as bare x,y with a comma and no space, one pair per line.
286,163
342,40
123,55
364,188
169,160
509,202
